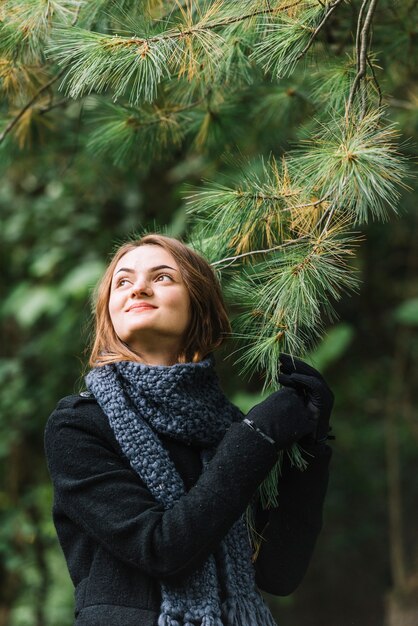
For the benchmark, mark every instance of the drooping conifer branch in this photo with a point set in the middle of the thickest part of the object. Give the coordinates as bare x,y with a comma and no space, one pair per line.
344,174
136,134
192,48
25,26
98,61
283,298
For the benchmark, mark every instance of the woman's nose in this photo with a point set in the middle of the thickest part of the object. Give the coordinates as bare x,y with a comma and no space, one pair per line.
142,285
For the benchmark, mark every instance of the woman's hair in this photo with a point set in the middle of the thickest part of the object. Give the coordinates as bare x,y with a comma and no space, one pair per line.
209,323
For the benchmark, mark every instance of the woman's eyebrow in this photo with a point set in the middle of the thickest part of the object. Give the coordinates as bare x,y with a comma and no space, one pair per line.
152,269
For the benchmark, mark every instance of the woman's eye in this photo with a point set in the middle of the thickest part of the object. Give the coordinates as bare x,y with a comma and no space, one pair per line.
121,282
166,276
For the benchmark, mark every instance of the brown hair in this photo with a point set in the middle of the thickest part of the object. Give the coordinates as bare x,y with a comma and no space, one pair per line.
209,323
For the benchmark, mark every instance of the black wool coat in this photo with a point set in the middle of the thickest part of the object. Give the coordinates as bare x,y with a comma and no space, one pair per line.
119,542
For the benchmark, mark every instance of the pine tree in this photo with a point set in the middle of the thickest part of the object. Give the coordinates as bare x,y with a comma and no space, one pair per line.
161,75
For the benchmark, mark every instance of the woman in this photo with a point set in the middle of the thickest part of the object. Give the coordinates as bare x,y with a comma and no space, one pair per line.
153,468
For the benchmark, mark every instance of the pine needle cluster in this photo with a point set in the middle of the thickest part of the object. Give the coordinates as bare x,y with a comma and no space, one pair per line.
285,39
125,134
25,26
357,162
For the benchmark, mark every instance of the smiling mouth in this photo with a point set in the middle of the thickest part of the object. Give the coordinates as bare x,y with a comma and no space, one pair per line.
142,308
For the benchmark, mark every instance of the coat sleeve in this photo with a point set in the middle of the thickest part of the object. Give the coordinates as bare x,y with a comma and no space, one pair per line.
290,531
95,486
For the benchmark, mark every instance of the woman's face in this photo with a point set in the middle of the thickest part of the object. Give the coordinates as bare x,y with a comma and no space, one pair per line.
149,301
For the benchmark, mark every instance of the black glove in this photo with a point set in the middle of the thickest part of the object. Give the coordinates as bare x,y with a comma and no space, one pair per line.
306,379
283,418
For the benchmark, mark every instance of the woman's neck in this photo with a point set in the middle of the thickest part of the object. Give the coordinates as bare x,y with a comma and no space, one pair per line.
157,357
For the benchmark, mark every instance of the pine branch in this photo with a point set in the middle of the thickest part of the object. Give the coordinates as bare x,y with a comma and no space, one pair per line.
252,215
52,8
17,78
281,107
332,85
267,211
330,10
284,296
97,61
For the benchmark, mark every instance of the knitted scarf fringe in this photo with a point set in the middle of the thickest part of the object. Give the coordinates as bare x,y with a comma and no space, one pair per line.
238,611
247,611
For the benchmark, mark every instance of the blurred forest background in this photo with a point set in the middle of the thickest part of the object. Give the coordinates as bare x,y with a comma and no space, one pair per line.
77,178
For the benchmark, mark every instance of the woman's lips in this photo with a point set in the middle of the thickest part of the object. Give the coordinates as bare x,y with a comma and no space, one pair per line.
142,307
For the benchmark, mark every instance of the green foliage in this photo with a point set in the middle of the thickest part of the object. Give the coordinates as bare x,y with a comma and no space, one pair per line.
333,346
407,312
282,301
174,94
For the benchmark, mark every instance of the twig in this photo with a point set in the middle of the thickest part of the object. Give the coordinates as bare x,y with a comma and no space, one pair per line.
232,259
27,106
376,82
362,44
358,31
227,22
318,28
178,34
53,105
233,20
304,206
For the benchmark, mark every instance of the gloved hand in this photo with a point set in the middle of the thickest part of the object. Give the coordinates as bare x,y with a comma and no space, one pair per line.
283,417
306,379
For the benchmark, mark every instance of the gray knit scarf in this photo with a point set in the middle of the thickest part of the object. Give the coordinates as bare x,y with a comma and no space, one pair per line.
186,402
